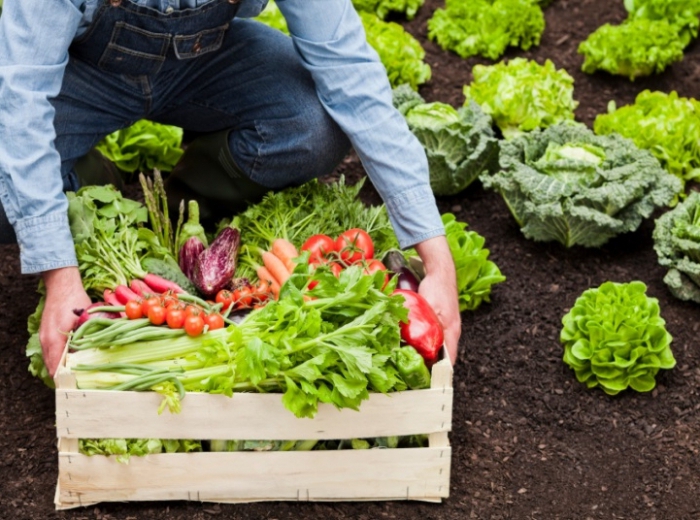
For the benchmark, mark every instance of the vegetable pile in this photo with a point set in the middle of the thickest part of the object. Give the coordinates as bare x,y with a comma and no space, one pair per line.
522,95
568,185
460,144
665,124
677,244
615,338
486,27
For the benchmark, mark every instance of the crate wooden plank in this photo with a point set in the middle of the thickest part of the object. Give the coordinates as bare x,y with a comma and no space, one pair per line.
99,413
378,474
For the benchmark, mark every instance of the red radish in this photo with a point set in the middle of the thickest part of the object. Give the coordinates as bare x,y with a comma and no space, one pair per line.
161,285
125,295
85,315
140,288
111,299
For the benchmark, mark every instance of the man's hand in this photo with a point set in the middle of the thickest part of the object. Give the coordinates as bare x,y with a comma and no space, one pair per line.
64,292
439,287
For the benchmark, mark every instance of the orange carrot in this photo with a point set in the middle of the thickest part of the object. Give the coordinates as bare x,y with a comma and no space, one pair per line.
276,267
285,251
264,274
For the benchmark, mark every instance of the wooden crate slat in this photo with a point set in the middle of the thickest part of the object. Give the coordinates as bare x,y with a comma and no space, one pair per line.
377,474
99,413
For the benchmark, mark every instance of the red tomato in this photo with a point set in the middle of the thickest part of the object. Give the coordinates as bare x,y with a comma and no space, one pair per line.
194,325
245,296
336,268
319,246
175,318
133,310
192,310
214,321
146,305
225,298
353,245
157,314
375,265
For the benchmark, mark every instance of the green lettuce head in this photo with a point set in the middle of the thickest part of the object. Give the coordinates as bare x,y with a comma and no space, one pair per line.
615,338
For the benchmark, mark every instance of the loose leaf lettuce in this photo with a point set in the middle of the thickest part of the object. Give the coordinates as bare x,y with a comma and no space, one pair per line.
569,185
33,351
143,147
633,49
460,145
682,14
486,27
615,338
272,16
382,8
476,274
399,52
677,244
522,95
665,124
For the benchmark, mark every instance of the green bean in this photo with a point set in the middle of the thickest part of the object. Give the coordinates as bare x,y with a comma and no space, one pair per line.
114,331
106,308
80,331
194,299
147,335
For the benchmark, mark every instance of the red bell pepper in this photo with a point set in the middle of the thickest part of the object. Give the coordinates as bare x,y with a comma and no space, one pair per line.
423,330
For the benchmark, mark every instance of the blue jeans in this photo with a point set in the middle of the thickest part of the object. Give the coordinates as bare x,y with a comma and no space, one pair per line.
244,77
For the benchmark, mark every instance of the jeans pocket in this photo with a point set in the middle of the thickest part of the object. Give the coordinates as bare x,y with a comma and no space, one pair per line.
134,51
193,45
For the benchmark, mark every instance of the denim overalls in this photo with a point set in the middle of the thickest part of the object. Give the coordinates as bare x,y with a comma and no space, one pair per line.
205,71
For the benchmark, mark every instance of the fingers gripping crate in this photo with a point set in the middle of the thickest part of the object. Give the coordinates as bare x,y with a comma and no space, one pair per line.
231,477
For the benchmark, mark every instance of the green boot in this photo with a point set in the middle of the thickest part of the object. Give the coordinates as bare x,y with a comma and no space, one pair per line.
207,173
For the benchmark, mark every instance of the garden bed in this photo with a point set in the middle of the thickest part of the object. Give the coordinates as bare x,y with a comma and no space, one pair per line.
528,441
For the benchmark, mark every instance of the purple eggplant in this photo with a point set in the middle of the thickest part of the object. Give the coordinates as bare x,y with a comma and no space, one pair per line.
189,253
216,265
396,263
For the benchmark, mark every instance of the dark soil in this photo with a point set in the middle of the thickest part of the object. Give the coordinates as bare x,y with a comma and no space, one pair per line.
529,441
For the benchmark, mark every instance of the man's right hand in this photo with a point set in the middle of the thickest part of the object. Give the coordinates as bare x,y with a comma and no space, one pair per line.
64,292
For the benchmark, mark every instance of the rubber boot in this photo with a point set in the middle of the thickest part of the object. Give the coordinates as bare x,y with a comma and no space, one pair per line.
94,169
207,173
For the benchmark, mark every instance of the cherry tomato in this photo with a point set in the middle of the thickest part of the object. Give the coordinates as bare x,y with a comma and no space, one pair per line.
262,291
146,305
375,265
157,314
313,284
319,246
353,245
192,310
225,298
133,310
194,325
175,318
245,296
336,268
214,321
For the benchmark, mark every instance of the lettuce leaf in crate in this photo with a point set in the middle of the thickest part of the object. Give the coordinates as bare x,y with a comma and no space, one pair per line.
615,338
568,185
460,144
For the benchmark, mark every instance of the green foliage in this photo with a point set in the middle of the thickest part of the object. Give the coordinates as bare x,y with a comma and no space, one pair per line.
665,124
272,16
300,212
460,144
123,449
677,244
382,8
522,95
615,338
476,274
635,48
682,14
569,185
486,27
143,147
33,351
399,52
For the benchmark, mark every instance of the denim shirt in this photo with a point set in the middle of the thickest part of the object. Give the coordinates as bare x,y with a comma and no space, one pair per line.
350,81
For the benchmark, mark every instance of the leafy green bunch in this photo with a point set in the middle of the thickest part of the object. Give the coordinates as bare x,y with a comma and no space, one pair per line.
522,95
400,53
651,38
382,8
486,27
143,147
460,144
568,185
665,124
123,449
614,338
677,244
273,17
476,274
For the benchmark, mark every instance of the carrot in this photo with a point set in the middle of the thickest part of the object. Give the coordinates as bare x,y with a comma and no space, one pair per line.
285,251
276,267
264,274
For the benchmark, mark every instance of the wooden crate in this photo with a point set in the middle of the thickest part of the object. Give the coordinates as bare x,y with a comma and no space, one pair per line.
232,477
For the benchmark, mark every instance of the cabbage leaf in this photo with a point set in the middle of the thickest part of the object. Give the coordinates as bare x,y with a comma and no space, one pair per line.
568,185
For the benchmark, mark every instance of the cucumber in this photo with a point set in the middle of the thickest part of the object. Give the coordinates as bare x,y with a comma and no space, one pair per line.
168,269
